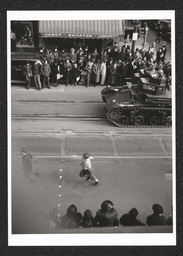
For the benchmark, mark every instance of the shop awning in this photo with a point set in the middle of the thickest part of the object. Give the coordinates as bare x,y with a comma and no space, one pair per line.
101,29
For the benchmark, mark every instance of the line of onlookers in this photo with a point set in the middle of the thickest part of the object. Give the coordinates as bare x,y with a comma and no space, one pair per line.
106,216
111,66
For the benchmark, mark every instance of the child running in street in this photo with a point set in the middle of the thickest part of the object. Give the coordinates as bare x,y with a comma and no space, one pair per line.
87,169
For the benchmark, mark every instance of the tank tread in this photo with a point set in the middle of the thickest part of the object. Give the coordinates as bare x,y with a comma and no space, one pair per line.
140,117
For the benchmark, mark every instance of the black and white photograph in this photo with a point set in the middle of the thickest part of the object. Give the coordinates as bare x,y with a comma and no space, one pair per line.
91,113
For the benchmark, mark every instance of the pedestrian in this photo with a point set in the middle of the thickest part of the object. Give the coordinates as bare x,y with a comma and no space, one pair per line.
156,219
46,70
75,74
36,74
121,73
129,219
27,164
106,216
164,49
27,71
72,56
68,68
113,73
96,72
55,71
89,66
103,70
87,169
69,220
87,221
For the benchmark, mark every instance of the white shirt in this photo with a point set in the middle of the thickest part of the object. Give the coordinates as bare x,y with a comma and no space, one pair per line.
86,163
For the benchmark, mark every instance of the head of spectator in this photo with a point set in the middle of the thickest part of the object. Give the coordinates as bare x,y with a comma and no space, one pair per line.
107,206
87,220
107,215
27,63
71,211
133,213
55,50
75,65
157,209
153,45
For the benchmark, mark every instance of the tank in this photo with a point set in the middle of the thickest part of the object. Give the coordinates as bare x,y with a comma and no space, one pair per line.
146,103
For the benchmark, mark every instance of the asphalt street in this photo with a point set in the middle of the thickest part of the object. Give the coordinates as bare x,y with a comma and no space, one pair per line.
134,165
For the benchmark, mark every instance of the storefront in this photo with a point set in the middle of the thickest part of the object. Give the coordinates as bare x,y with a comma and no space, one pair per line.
79,33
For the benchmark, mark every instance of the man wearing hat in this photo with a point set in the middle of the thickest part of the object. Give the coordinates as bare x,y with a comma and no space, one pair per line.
156,219
27,71
87,168
72,56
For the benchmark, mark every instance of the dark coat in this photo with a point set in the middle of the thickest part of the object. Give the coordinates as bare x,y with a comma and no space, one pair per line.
106,219
112,74
46,70
36,68
156,220
128,220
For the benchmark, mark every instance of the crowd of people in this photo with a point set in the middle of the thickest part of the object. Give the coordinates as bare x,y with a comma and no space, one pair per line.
106,216
110,66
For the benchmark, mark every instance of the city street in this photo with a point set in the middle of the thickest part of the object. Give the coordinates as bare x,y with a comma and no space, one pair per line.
56,126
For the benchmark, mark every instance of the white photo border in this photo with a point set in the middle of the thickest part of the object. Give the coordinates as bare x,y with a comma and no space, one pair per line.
159,239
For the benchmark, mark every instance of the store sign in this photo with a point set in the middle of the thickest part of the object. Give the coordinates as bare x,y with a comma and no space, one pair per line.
135,36
69,35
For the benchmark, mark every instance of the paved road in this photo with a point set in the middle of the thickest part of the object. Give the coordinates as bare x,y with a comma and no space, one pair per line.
134,165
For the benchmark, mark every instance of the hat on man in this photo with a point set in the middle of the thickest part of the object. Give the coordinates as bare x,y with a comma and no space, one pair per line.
157,209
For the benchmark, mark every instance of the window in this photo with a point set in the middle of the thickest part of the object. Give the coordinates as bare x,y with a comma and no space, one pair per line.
24,34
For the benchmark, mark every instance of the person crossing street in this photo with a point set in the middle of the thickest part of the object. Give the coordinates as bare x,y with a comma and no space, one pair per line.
87,169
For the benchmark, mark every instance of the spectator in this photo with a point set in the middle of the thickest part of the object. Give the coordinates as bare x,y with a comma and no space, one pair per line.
96,72
160,56
142,52
68,68
27,71
63,55
113,73
156,218
129,219
75,74
56,54
106,216
46,70
123,55
164,49
36,74
137,54
87,221
89,66
55,72
103,70
95,54
69,220
72,56
121,73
